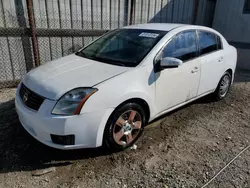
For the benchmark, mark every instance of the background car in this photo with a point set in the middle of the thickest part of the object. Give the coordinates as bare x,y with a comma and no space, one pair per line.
108,91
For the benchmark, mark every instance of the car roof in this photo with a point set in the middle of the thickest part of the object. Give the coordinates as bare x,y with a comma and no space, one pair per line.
156,26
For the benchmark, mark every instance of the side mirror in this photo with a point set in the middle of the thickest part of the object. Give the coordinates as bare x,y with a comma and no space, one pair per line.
170,62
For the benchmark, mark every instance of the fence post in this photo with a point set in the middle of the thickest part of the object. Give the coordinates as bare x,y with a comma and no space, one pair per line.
25,40
131,18
33,32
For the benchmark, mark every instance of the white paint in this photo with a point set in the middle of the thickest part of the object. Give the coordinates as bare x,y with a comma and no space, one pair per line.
180,83
163,92
55,78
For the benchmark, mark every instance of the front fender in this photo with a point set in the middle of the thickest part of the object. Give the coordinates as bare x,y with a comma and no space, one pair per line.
130,85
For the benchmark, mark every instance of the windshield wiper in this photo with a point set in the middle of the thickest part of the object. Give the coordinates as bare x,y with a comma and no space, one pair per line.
80,53
110,61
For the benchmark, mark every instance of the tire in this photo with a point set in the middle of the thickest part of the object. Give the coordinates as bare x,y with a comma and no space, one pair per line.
225,82
124,127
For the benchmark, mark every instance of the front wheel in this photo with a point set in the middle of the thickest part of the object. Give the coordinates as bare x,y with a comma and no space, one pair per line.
223,86
124,127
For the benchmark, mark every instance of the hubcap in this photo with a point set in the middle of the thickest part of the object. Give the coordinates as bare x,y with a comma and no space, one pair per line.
127,127
224,86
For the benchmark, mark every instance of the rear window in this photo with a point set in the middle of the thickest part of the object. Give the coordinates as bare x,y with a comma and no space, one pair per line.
208,42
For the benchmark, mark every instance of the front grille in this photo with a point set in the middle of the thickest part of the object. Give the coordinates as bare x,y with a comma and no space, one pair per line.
30,98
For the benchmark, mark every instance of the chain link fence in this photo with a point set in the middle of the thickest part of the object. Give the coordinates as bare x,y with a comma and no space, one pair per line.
14,43
63,26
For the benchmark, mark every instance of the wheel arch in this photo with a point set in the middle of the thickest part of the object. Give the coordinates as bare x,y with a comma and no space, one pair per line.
230,71
136,100
139,101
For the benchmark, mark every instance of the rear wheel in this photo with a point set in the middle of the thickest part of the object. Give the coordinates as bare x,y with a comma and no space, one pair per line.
223,86
124,127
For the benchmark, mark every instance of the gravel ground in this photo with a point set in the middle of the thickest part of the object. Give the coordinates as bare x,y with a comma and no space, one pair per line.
185,148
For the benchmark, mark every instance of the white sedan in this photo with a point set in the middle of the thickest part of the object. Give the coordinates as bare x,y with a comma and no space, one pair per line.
105,94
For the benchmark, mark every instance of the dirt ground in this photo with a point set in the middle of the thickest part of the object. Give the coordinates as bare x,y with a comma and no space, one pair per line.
185,148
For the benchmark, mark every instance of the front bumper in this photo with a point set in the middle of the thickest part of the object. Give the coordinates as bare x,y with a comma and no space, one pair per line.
87,128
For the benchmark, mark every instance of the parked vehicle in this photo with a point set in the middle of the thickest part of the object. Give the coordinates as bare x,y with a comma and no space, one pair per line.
106,93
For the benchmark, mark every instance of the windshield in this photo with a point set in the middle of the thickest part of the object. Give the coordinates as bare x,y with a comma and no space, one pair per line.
124,47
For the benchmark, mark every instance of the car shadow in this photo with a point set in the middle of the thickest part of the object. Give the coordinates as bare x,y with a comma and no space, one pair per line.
21,152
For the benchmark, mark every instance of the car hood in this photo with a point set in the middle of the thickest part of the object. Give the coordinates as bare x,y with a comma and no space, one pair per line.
55,78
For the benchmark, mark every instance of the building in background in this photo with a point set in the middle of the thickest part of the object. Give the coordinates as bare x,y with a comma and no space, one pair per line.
232,19
59,26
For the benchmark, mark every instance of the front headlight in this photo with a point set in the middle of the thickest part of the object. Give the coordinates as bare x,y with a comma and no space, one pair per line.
71,103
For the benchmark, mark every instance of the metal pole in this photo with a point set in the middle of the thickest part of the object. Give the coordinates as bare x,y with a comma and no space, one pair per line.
101,14
8,43
33,32
27,49
131,12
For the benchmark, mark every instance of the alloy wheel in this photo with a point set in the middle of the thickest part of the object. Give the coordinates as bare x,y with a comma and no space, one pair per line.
127,127
224,86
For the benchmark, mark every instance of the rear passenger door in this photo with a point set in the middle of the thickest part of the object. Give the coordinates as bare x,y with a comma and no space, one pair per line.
211,57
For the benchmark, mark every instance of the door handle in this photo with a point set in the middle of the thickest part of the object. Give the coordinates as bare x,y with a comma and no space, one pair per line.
196,69
221,59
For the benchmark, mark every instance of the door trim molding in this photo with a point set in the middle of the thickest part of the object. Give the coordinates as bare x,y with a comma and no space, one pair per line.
181,104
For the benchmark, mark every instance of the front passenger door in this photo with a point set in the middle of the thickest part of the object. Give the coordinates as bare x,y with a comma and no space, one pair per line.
177,85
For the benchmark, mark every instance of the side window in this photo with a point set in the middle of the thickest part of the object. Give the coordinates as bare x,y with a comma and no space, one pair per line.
182,46
207,42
